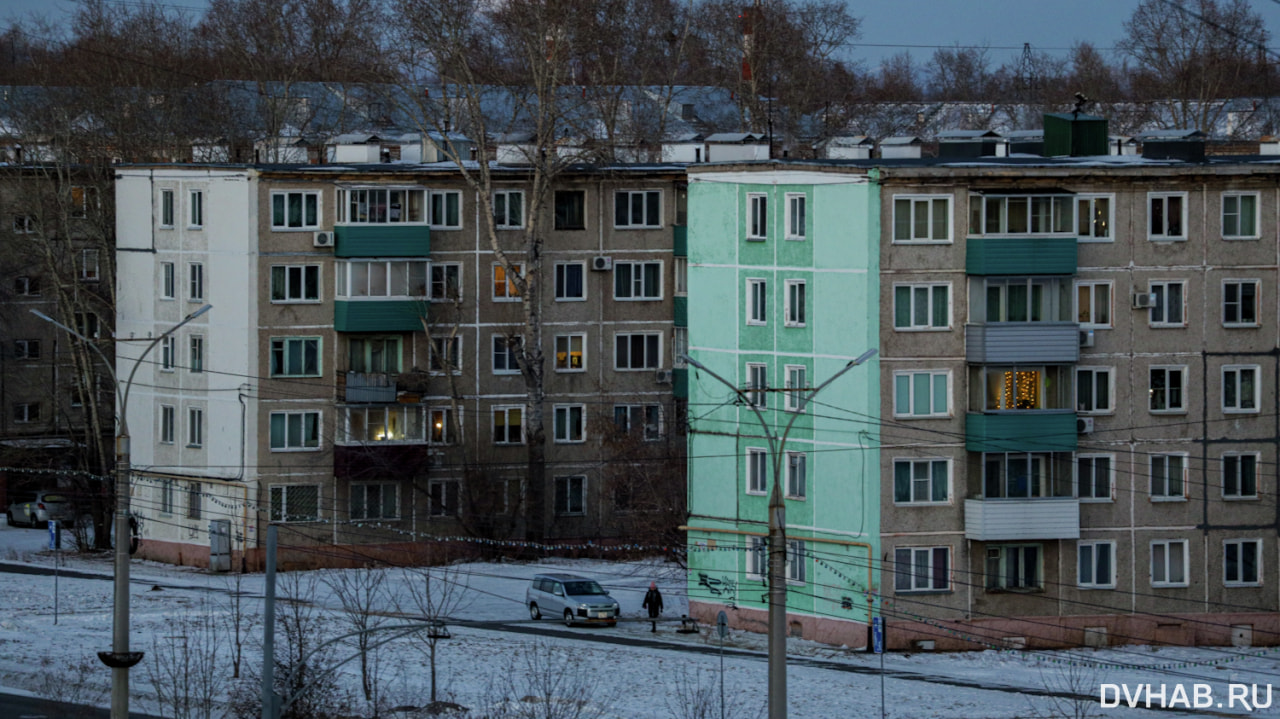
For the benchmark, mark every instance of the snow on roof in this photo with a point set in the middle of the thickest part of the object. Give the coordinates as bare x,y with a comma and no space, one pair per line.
735,137
951,135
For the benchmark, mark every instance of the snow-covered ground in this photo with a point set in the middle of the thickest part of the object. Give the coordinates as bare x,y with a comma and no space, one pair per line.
640,676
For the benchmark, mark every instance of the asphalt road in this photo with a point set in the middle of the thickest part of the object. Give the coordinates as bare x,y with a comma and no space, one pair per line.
13,706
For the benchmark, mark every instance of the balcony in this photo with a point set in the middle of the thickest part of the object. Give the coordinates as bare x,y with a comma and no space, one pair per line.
680,240
379,315
369,387
382,241
1022,343
1000,520
1031,431
1021,256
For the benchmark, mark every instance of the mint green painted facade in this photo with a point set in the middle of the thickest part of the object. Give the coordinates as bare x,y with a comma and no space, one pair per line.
837,262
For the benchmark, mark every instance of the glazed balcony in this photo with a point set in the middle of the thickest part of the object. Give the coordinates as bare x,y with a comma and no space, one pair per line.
1031,518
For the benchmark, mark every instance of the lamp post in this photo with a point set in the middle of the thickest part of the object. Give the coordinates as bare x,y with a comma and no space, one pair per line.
778,530
120,659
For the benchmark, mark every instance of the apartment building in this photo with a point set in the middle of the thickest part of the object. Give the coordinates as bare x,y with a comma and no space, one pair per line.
357,379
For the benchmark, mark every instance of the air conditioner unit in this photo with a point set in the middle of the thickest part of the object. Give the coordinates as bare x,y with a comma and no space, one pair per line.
1086,338
663,376
324,239
1084,425
602,263
1143,300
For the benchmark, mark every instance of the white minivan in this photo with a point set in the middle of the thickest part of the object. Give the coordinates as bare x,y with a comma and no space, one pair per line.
576,599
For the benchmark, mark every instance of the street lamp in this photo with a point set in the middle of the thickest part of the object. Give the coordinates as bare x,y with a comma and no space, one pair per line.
120,659
778,531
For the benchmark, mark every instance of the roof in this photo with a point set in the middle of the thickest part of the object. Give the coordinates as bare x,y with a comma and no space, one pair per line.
953,135
1025,134
902,140
1172,134
1075,117
735,137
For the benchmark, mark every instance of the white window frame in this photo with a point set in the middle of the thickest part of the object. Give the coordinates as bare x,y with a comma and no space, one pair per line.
306,197
195,427
450,348
195,283
1161,291
1167,565
509,292
570,509
757,470
906,569
1161,473
679,347
292,281
507,352
1090,548
168,281
1108,222
796,299
1092,480
442,417
506,410
363,489
797,561
165,490
283,491
929,464
1091,289
1240,306
757,558
795,207
90,267
562,281
195,357
195,500
908,411
441,493
405,278
757,385
1164,234
27,286
632,337
1233,377
757,216
757,301
1095,406
26,412
567,432
568,342
929,208
1236,195
1240,545
288,345
168,353
167,215
444,196
637,288
796,384
1239,460
1169,371
627,418
168,423
630,222
301,416
931,288
1005,551
502,220
195,209
680,276
26,349
439,288
797,470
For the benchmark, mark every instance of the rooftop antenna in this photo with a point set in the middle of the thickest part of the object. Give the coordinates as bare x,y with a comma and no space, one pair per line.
1081,101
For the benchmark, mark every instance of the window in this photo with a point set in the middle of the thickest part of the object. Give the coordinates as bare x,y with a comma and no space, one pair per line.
1240,388
394,423
166,208
442,496
796,557
1169,563
637,280
795,216
508,209
637,350
637,418
571,353
508,425
679,346
571,495
1093,218
1239,215
504,286
922,393
89,270
295,357
25,412
446,211
166,496
168,289
295,210
373,500
195,215
295,430
1240,303
505,350
26,349
922,219
921,307
24,224
922,569
796,473
446,281
195,427
80,201
87,324
196,283
1095,565
1011,475
196,346
757,302
1166,216
195,498
380,278
1241,562
571,210
167,423
441,425
1021,214
1169,309
1240,476
1093,390
920,481
295,502
1093,476
1168,476
757,470
570,423
758,222
446,354
27,286
797,385
1166,388
637,208
680,270
168,353
757,558
373,354
795,303
570,284
758,384
1023,388
1093,305
381,205
1013,567
295,283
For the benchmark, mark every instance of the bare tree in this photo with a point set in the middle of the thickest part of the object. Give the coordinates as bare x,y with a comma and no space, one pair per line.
433,595
240,621
696,694
543,681
77,685
960,73
185,667
361,593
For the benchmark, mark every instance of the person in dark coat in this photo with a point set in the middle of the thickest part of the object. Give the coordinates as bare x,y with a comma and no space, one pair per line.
653,602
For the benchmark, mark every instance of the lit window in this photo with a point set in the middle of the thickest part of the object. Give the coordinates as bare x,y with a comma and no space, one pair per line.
570,353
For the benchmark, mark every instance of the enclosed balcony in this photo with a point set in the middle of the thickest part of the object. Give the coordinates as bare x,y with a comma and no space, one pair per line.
369,387
1020,408
999,520
1021,319
1024,233
380,295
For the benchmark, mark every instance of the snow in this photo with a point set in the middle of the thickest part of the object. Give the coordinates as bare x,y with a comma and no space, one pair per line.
625,671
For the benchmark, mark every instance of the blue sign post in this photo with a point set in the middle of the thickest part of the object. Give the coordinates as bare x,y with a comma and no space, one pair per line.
53,535
877,635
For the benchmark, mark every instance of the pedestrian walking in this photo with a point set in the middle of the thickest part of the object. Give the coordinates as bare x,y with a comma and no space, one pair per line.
653,602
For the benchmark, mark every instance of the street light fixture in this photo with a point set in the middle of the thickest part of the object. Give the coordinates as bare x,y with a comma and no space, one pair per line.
120,659
778,532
